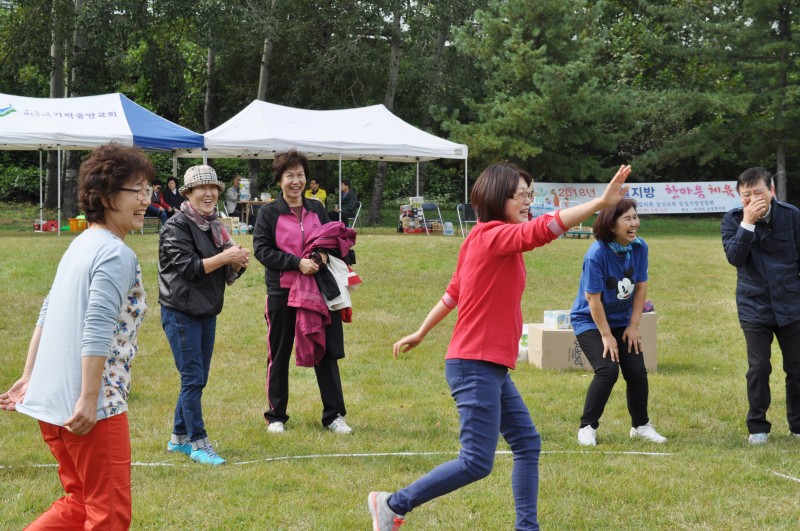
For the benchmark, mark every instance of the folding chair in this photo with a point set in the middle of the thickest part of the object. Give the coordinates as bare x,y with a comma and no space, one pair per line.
466,216
428,220
352,224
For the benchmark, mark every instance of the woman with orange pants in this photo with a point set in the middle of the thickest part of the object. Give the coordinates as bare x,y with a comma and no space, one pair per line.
77,373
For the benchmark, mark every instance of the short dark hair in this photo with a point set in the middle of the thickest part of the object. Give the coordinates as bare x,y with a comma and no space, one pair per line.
346,182
175,180
157,182
497,183
751,176
286,160
313,180
107,169
603,228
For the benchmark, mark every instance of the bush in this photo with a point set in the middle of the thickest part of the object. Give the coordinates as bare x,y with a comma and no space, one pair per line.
19,184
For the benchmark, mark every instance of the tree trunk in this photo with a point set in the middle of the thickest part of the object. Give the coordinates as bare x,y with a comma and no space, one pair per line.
72,159
374,214
254,165
784,30
56,91
780,174
434,89
208,108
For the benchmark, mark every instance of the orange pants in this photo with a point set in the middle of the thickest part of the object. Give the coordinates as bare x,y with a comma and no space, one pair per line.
95,470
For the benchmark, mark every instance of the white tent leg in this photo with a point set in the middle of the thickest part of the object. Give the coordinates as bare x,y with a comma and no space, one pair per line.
417,178
466,183
59,189
340,187
175,165
41,197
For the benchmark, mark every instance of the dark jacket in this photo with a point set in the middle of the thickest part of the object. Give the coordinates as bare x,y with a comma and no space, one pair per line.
768,271
279,238
182,282
173,200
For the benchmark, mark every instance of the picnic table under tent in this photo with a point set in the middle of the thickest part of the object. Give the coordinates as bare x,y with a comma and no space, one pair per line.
84,123
262,129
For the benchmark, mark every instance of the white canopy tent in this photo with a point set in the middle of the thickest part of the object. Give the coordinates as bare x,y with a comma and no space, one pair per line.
261,130
85,123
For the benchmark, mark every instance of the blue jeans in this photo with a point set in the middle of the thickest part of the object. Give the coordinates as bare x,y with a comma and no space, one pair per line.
156,213
489,405
192,343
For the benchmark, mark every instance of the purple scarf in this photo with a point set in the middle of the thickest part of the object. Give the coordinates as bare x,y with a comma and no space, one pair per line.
218,232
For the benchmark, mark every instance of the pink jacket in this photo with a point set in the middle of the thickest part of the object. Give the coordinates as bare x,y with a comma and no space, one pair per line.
312,311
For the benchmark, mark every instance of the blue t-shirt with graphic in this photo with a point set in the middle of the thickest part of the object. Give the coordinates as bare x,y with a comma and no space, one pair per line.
615,277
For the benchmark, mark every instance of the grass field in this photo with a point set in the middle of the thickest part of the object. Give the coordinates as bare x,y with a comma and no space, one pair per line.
705,477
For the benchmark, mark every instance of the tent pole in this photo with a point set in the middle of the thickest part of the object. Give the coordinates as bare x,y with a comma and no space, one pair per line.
417,178
58,148
466,183
41,199
340,187
174,164
205,158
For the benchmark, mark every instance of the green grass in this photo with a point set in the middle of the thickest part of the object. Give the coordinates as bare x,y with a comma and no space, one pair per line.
710,479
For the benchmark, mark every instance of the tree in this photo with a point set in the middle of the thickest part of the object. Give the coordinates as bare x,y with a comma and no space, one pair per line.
550,101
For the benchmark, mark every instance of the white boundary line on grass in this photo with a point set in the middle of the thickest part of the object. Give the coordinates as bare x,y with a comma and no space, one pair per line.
355,455
386,454
784,476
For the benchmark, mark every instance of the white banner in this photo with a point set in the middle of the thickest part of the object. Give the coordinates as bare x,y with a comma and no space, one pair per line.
652,198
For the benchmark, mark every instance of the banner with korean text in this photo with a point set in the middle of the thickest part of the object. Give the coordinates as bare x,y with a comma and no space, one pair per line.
652,198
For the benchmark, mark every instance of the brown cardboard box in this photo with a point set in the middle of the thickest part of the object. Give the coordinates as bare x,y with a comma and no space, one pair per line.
550,348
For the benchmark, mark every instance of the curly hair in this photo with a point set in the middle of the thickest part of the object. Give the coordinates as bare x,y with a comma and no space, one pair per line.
107,169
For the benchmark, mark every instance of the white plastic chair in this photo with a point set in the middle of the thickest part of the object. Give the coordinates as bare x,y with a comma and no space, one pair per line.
466,217
352,224
428,220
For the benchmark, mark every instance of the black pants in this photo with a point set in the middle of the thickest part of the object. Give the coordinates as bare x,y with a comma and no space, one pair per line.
606,373
346,215
759,347
280,338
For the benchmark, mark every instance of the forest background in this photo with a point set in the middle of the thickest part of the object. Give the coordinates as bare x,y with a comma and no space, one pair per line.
685,90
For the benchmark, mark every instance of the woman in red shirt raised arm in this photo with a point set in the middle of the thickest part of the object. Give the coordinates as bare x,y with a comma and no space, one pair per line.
487,289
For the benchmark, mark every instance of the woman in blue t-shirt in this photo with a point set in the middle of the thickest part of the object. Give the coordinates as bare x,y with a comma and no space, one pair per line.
606,316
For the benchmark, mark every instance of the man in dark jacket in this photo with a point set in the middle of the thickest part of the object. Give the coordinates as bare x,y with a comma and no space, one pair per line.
349,204
762,240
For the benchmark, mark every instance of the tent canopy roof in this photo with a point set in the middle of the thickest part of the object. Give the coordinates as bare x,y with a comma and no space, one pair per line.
263,129
87,122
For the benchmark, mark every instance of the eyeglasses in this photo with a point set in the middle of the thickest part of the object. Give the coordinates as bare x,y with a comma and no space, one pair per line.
141,193
522,196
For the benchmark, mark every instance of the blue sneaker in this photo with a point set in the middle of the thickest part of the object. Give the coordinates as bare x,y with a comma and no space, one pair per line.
758,438
185,448
206,456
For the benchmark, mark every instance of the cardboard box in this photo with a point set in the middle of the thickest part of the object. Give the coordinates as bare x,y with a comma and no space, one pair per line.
551,348
557,319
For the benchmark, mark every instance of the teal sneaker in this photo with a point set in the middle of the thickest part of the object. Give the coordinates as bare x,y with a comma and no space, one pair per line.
185,448
206,456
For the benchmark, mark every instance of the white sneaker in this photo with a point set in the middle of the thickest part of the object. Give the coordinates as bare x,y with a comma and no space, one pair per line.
648,432
340,426
276,427
758,438
383,517
587,436
795,435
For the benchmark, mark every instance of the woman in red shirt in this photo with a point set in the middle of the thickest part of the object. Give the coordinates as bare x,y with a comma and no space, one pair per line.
487,288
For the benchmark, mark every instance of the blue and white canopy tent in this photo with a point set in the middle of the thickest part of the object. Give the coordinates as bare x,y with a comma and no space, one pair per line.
84,123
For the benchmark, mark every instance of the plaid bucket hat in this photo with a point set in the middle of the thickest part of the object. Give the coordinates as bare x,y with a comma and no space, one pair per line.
199,176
